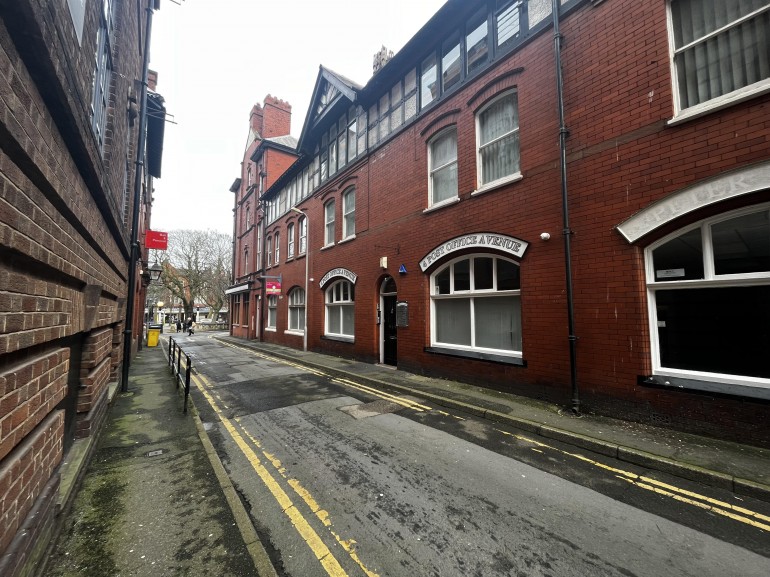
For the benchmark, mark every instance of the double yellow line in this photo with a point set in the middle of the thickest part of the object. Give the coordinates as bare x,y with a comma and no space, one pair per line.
327,559
740,514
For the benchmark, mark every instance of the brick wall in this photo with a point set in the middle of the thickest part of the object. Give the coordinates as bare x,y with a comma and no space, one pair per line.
622,155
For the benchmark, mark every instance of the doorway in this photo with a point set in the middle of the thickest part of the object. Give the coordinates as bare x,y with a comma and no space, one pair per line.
388,332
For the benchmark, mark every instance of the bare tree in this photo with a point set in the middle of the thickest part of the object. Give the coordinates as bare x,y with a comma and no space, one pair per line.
193,266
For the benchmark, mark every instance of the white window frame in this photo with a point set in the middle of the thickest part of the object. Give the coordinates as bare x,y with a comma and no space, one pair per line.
482,186
710,280
330,231
335,302
472,295
290,240
297,306
349,213
272,312
303,235
750,91
432,170
269,250
277,244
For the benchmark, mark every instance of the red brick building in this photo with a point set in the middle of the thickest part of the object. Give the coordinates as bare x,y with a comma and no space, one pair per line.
616,260
71,77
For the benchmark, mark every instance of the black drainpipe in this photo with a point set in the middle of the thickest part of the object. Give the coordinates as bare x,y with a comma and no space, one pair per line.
563,133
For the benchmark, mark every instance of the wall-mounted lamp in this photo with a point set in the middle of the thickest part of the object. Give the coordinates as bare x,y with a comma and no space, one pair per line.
155,271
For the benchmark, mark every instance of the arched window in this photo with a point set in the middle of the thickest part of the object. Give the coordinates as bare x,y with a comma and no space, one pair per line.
290,241
297,310
709,300
476,305
497,130
349,213
442,164
340,317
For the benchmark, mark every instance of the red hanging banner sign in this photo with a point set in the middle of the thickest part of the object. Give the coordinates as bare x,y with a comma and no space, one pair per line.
156,239
273,287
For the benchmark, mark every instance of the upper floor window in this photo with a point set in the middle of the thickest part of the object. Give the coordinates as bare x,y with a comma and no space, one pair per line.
303,235
246,260
349,213
248,216
498,139
476,305
428,81
259,246
476,47
442,160
102,74
290,241
720,50
269,250
340,319
329,228
277,241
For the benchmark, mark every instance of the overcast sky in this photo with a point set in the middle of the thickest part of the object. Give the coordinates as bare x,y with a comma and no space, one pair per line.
215,60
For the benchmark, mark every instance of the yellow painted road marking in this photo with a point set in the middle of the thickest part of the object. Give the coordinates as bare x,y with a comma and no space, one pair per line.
317,546
734,512
737,513
300,523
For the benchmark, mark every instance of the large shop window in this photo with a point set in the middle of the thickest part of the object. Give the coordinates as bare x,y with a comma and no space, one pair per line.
721,49
498,135
709,290
297,310
442,158
340,312
476,305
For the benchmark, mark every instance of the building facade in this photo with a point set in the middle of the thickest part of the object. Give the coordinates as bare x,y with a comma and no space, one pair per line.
580,216
71,81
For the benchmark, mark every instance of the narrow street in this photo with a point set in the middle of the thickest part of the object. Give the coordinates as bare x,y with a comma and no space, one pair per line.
342,480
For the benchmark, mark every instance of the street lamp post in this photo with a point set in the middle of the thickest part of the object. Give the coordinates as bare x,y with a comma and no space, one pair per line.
307,259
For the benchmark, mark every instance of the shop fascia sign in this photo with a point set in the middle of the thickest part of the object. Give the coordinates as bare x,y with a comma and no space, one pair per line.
476,240
343,272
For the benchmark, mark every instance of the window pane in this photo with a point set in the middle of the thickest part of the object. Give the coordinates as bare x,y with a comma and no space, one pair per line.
538,10
442,281
508,276
348,324
500,159
716,330
742,245
453,321
334,320
508,24
450,66
462,274
483,273
498,323
445,183
499,118
428,81
681,258
444,149
476,42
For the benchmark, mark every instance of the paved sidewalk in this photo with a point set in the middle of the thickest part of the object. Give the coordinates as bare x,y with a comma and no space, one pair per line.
152,502
743,469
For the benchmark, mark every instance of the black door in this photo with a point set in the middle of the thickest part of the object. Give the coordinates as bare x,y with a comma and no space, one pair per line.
390,346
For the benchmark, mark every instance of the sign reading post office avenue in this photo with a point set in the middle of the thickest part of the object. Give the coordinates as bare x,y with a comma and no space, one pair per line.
484,240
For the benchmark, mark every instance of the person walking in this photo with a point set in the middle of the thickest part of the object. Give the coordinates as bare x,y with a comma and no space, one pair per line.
190,327
178,325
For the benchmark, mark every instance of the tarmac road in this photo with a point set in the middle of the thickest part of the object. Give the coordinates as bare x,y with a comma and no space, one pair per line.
341,480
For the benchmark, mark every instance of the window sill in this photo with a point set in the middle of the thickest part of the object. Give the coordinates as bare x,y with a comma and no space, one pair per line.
347,239
297,333
442,204
709,387
270,329
720,103
497,184
495,358
289,259
327,246
339,338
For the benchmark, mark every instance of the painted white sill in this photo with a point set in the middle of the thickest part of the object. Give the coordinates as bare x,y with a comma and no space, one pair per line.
497,184
442,204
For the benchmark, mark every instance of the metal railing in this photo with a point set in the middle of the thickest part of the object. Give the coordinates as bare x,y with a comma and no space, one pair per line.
175,354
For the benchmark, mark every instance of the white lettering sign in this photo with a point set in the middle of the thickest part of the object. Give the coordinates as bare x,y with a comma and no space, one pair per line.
484,240
343,272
